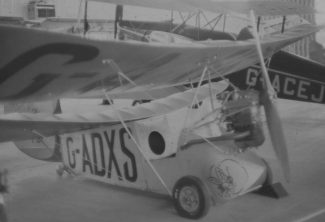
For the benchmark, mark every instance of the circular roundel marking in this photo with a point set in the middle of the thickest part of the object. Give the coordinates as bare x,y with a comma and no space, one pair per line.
156,143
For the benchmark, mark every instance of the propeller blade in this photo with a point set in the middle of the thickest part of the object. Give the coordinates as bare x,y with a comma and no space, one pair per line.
276,134
267,81
271,111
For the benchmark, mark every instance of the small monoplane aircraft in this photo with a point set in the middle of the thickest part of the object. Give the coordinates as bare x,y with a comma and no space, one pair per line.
195,145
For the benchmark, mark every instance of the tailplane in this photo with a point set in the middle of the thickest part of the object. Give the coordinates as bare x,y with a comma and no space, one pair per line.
40,147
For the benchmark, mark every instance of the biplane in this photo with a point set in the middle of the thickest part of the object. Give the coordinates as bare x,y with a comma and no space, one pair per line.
195,144
293,77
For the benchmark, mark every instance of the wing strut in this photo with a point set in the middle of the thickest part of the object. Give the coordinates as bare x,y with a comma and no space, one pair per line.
86,23
205,71
283,23
189,16
138,145
184,135
118,18
258,23
120,74
154,170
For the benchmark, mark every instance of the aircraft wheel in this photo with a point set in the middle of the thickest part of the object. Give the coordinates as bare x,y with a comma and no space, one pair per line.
191,197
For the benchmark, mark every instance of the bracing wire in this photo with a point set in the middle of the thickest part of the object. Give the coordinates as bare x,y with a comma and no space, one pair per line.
77,25
120,74
138,145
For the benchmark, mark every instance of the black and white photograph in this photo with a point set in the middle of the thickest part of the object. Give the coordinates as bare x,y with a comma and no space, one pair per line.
162,110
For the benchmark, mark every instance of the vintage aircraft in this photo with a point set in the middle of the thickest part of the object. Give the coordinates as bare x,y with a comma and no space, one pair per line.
192,145
293,77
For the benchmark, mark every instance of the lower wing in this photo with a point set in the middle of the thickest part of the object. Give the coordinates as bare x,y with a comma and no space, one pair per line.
25,126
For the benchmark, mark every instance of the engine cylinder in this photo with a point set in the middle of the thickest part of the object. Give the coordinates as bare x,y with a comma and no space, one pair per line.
243,113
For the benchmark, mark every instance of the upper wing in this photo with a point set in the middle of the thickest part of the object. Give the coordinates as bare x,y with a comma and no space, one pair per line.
266,7
261,7
39,65
23,126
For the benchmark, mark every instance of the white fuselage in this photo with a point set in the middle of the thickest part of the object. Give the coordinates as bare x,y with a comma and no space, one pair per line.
110,155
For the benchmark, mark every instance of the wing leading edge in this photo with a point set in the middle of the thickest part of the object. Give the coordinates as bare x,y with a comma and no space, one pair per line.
23,126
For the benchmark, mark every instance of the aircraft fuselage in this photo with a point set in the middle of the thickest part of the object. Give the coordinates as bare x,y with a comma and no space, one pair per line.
110,155
293,78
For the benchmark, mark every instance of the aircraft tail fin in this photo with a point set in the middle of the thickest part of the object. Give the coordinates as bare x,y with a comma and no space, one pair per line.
41,148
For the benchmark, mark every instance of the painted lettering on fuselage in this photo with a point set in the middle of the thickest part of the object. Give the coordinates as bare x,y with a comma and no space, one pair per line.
103,153
289,86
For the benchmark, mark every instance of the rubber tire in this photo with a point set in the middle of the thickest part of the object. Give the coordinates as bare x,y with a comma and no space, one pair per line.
204,197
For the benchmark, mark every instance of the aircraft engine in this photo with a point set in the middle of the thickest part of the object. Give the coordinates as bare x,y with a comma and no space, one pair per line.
242,113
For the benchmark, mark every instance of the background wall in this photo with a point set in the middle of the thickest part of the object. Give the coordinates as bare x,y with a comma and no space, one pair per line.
96,10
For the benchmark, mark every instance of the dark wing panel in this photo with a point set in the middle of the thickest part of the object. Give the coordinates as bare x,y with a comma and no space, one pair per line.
24,126
293,77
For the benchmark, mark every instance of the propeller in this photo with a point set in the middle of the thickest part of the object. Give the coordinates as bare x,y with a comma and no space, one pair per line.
271,111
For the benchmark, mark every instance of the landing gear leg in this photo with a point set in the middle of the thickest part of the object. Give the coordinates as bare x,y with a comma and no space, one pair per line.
60,170
64,169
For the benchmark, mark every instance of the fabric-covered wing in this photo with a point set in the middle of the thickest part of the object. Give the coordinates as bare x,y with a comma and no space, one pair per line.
23,126
147,92
39,65
265,7
261,7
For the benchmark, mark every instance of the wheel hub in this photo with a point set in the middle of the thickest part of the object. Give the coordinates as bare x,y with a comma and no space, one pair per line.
189,198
